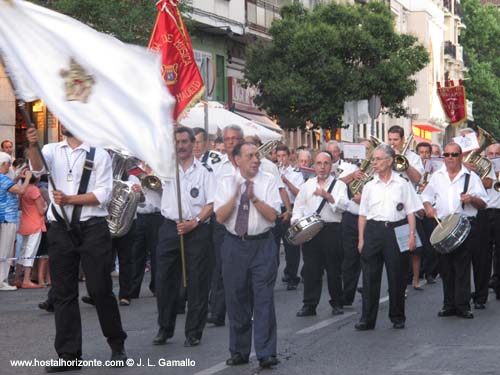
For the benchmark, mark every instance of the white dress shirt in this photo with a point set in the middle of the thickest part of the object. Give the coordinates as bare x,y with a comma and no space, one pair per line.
62,161
268,166
295,177
152,202
347,169
265,189
211,158
224,168
391,201
444,194
416,162
197,190
343,168
306,203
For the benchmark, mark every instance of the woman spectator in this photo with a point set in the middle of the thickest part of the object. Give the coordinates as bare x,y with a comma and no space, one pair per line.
8,216
43,251
32,225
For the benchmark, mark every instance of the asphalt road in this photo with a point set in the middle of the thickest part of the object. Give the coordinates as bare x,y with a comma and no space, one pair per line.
314,345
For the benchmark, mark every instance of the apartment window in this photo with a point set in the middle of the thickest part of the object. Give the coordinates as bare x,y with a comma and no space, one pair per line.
220,79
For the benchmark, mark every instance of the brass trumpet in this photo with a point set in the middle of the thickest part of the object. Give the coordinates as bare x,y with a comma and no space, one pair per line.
496,185
401,162
151,182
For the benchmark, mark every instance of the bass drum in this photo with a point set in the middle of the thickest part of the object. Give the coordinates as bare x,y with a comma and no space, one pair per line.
304,230
451,234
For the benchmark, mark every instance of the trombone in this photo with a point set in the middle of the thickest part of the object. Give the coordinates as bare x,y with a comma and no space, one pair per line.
401,162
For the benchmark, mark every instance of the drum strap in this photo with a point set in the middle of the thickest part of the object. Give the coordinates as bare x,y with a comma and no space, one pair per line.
466,186
323,202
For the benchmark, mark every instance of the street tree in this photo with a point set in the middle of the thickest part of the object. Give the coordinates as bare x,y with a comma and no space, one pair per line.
320,58
480,42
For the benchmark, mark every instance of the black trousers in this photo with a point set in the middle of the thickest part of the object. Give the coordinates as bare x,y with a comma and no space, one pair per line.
351,265
494,236
123,248
95,256
481,258
455,272
380,247
292,254
217,305
249,269
169,277
323,253
430,259
145,242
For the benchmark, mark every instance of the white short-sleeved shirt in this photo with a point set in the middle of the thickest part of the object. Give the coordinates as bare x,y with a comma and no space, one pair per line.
62,161
197,190
306,203
265,189
268,166
225,167
343,168
152,202
211,158
391,201
295,177
415,161
444,194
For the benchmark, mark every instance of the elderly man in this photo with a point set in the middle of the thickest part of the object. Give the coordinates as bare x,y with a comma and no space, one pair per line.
8,147
454,189
388,202
339,165
247,204
201,151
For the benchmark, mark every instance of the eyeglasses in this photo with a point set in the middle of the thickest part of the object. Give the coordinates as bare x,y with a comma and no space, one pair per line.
452,154
232,139
376,160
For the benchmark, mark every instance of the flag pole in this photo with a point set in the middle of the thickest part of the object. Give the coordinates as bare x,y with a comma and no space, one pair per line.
30,124
179,208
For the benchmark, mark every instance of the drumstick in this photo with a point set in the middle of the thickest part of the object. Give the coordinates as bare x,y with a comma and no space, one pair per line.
456,208
438,221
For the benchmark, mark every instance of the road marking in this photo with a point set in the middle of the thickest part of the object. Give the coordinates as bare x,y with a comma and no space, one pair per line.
218,367
325,323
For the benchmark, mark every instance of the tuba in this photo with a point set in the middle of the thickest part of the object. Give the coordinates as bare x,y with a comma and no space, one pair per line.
356,186
482,164
124,200
401,163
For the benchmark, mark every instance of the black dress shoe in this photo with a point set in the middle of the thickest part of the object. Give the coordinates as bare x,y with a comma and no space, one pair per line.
399,325
447,312
161,337
479,306
46,306
191,341
359,290
216,322
88,300
291,286
63,368
236,360
286,279
267,362
431,280
118,358
337,310
306,311
465,314
362,326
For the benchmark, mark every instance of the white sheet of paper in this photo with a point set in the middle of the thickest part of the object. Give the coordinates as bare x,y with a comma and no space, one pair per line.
402,233
354,151
467,142
436,163
495,164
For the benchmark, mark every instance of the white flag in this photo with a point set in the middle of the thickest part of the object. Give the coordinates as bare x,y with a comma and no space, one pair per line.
105,92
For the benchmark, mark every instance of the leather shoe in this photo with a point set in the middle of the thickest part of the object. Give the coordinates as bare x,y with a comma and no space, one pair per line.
398,325
431,280
236,360
216,322
88,300
291,286
267,362
191,341
479,306
118,358
362,326
63,368
337,310
306,311
465,314
161,337
46,306
447,312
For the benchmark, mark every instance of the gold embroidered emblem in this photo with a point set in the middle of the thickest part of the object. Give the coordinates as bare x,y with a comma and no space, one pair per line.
77,83
170,73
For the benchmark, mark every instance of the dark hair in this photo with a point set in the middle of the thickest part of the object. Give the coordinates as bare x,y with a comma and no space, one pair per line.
424,144
183,129
237,148
18,161
197,131
283,148
396,129
219,140
5,141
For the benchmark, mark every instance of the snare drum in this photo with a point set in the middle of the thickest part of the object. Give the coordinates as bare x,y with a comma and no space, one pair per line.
304,229
452,233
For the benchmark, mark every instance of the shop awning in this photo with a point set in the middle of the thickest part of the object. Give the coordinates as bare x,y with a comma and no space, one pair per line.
424,131
260,119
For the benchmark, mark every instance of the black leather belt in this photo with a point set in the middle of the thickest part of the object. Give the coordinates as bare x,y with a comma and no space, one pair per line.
389,224
85,224
246,237
331,224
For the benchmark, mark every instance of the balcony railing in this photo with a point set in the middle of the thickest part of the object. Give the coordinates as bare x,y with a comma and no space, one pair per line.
450,49
261,14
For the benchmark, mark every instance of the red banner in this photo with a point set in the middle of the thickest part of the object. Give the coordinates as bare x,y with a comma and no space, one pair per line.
179,69
453,102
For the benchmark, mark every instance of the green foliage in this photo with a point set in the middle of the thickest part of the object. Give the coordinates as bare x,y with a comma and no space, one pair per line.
481,43
319,59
